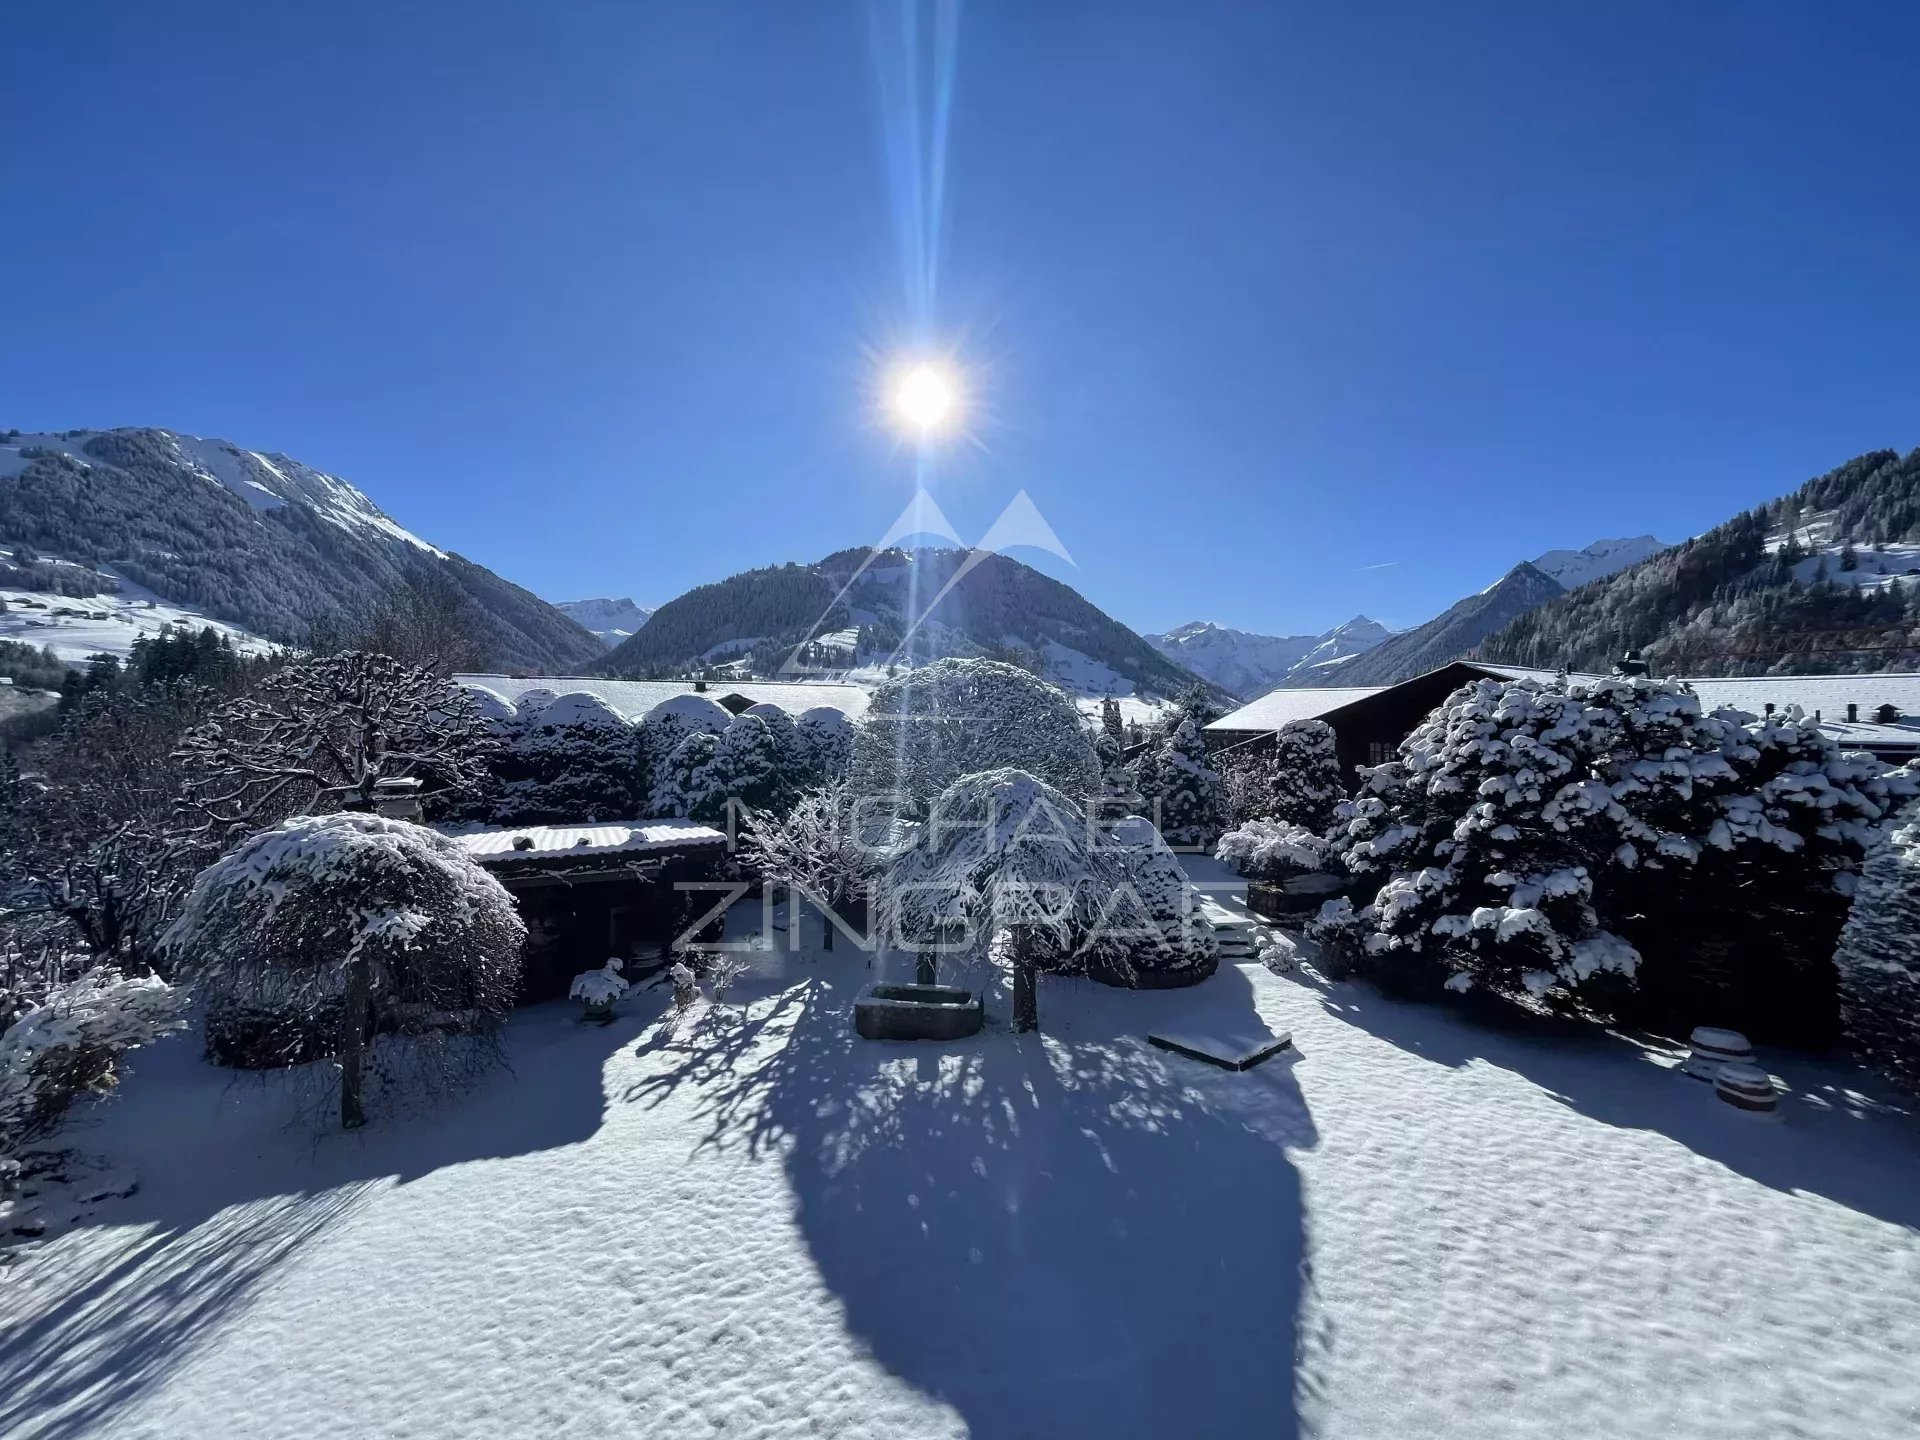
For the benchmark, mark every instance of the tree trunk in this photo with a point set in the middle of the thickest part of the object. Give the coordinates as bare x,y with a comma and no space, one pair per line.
826,931
1026,996
353,1045
923,968
1026,989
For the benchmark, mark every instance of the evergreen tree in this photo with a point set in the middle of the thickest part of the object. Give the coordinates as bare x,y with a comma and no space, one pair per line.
570,762
1190,811
1879,956
1306,775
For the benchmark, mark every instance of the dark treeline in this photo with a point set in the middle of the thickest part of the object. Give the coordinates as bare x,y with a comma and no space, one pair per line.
1724,604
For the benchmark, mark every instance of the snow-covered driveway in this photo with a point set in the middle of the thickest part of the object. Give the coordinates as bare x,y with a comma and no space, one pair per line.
765,1227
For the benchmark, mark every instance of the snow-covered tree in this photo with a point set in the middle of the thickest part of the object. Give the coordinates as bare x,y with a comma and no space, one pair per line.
70,1044
954,718
322,732
1306,774
826,742
688,784
1879,956
1146,927
1188,802
810,852
310,939
661,730
1556,842
572,760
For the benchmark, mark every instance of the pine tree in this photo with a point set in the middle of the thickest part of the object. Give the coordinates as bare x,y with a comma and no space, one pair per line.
1190,811
1879,956
1306,775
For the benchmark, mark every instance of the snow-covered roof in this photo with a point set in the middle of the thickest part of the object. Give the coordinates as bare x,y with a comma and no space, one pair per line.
633,698
498,844
1829,694
1278,707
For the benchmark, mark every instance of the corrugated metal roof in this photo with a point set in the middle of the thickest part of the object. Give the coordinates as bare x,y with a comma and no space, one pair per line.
633,698
495,844
1277,707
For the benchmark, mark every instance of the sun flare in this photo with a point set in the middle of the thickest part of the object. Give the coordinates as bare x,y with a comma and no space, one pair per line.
925,398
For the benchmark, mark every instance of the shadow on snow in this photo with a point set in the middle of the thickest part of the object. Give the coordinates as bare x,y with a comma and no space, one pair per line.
1614,1077
1068,1233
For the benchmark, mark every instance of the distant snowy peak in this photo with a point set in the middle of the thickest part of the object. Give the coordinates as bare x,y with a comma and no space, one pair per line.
612,620
264,481
1250,664
1574,568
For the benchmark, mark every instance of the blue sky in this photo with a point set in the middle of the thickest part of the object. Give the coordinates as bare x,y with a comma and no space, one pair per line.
1278,312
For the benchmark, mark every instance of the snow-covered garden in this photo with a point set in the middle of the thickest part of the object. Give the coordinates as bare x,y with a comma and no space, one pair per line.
749,1222
1476,1194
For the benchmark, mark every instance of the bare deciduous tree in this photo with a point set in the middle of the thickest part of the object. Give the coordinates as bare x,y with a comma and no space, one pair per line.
322,733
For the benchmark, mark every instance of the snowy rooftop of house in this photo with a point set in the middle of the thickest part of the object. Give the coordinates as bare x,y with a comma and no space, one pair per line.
497,844
1278,707
1829,694
633,698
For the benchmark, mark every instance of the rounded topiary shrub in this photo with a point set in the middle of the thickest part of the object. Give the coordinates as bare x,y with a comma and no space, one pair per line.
309,940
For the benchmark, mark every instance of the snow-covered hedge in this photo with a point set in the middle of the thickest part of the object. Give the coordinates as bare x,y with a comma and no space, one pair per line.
1879,957
1543,841
71,1043
299,927
569,760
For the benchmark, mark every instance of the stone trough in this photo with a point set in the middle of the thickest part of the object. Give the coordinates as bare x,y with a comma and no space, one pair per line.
917,1012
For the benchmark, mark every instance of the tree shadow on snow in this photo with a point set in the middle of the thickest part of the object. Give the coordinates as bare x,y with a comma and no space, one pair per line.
1060,1234
126,1324
1841,1132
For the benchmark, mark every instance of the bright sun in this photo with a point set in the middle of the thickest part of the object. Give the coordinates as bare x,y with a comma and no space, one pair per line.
925,397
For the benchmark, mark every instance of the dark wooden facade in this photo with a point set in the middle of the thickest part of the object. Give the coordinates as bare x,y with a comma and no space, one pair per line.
580,912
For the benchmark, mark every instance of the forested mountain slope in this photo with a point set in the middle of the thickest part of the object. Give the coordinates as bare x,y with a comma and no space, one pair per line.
1824,579
994,606
1451,635
258,540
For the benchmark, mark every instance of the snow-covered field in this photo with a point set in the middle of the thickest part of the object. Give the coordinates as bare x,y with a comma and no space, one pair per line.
104,624
764,1226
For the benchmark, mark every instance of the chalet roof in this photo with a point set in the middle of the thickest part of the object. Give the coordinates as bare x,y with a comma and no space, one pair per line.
505,844
1277,707
633,698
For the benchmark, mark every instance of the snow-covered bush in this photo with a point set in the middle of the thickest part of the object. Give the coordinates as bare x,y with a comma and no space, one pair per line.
688,783
599,989
1186,797
1553,842
793,762
663,728
954,718
826,745
309,939
71,1043
751,765
1274,851
1879,956
572,760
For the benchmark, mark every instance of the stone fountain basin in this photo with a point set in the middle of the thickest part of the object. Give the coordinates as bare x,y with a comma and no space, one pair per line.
917,1012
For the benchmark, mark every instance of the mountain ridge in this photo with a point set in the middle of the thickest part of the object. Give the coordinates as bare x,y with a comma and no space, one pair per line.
858,607
252,538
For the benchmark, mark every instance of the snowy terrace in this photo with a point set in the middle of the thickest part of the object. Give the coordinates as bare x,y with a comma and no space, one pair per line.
756,1225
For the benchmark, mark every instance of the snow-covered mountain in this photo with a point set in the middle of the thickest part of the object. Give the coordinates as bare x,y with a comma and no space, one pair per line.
1574,568
857,609
150,521
1452,635
1248,664
612,620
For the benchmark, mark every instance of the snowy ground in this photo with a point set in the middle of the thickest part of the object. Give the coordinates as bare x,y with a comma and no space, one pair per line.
104,624
763,1226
